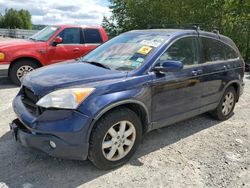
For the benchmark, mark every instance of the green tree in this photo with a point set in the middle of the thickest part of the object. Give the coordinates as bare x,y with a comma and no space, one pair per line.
17,19
1,21
110,27
231,17
26,19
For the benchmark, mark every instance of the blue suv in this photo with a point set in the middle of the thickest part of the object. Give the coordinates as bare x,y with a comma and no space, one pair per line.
100,107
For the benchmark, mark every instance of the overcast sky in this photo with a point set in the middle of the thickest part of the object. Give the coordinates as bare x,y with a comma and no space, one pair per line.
85,12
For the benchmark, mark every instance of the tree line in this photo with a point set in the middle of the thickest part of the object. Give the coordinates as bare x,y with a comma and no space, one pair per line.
230,17
15,19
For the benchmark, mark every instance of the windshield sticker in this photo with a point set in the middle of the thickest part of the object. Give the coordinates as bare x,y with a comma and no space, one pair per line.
144,50
140,59
152,43
129,63
53,28
135,64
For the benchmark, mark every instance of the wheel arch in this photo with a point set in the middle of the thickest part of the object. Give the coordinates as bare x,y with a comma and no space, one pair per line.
236,86
136,106
24,58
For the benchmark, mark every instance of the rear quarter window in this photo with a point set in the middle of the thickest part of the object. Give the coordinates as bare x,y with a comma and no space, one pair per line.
215,50
92,36
230,53
212,50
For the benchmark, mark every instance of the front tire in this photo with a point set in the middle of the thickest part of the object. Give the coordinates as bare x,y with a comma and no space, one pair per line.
115,138
226,107
20,69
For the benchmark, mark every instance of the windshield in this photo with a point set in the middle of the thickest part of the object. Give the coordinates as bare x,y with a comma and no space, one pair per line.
45,33
127,51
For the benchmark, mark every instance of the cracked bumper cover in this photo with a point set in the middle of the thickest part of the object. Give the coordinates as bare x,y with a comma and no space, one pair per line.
68,129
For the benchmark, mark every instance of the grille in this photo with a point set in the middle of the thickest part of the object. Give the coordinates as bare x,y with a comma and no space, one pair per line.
29,100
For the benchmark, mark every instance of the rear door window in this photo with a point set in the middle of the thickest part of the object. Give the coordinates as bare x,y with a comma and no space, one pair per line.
92,36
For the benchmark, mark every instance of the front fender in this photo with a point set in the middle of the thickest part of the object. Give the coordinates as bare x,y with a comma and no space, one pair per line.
97,106
36,57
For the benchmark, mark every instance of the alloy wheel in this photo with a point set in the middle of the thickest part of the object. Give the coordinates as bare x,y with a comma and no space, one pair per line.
228,103
118,140
23,70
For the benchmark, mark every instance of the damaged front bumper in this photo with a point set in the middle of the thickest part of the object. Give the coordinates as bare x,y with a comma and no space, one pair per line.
55,132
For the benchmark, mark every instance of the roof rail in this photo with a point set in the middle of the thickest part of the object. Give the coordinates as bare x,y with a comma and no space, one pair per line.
216,31
194,26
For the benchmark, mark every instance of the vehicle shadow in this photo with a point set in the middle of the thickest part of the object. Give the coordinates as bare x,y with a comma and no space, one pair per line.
21,165
5,83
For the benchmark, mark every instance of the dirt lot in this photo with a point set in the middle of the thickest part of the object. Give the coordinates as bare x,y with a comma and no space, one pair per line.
199,152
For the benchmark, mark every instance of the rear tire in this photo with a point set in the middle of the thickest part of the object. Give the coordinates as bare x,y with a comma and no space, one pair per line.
19,69
115,138
225,109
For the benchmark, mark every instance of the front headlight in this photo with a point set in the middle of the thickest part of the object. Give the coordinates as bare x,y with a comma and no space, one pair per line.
65,98
2,56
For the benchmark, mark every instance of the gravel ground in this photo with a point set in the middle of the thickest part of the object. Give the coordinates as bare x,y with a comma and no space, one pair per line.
199,152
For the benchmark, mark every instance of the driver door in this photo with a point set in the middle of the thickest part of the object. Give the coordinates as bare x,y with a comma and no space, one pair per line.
177,95
70,48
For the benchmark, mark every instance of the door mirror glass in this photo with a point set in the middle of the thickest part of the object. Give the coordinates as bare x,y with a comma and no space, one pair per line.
58,40
169,66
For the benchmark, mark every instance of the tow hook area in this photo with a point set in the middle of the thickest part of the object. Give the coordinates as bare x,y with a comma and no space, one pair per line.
14,128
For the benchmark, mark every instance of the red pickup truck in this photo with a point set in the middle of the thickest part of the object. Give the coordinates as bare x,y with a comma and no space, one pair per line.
51,45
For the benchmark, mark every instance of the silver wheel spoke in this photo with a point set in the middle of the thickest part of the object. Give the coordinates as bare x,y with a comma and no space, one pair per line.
128,132
121,151
112,132
128,142
122,127
107,144
226,110
112,152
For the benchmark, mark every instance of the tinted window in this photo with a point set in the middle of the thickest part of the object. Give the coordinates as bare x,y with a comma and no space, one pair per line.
212,50
92,36
71,36
184,50
229,52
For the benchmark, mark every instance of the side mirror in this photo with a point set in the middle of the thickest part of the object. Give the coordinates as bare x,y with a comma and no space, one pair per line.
58,40
169,66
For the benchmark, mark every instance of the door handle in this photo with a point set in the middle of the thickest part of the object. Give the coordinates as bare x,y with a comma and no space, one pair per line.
197,72
76,50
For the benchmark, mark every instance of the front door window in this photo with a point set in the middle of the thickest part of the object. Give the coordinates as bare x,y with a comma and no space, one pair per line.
184,50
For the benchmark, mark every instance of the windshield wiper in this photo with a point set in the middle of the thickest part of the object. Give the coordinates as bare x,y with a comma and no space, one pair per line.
32,39
97,64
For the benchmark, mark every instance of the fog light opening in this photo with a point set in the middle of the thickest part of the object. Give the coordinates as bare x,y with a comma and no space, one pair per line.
52,144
